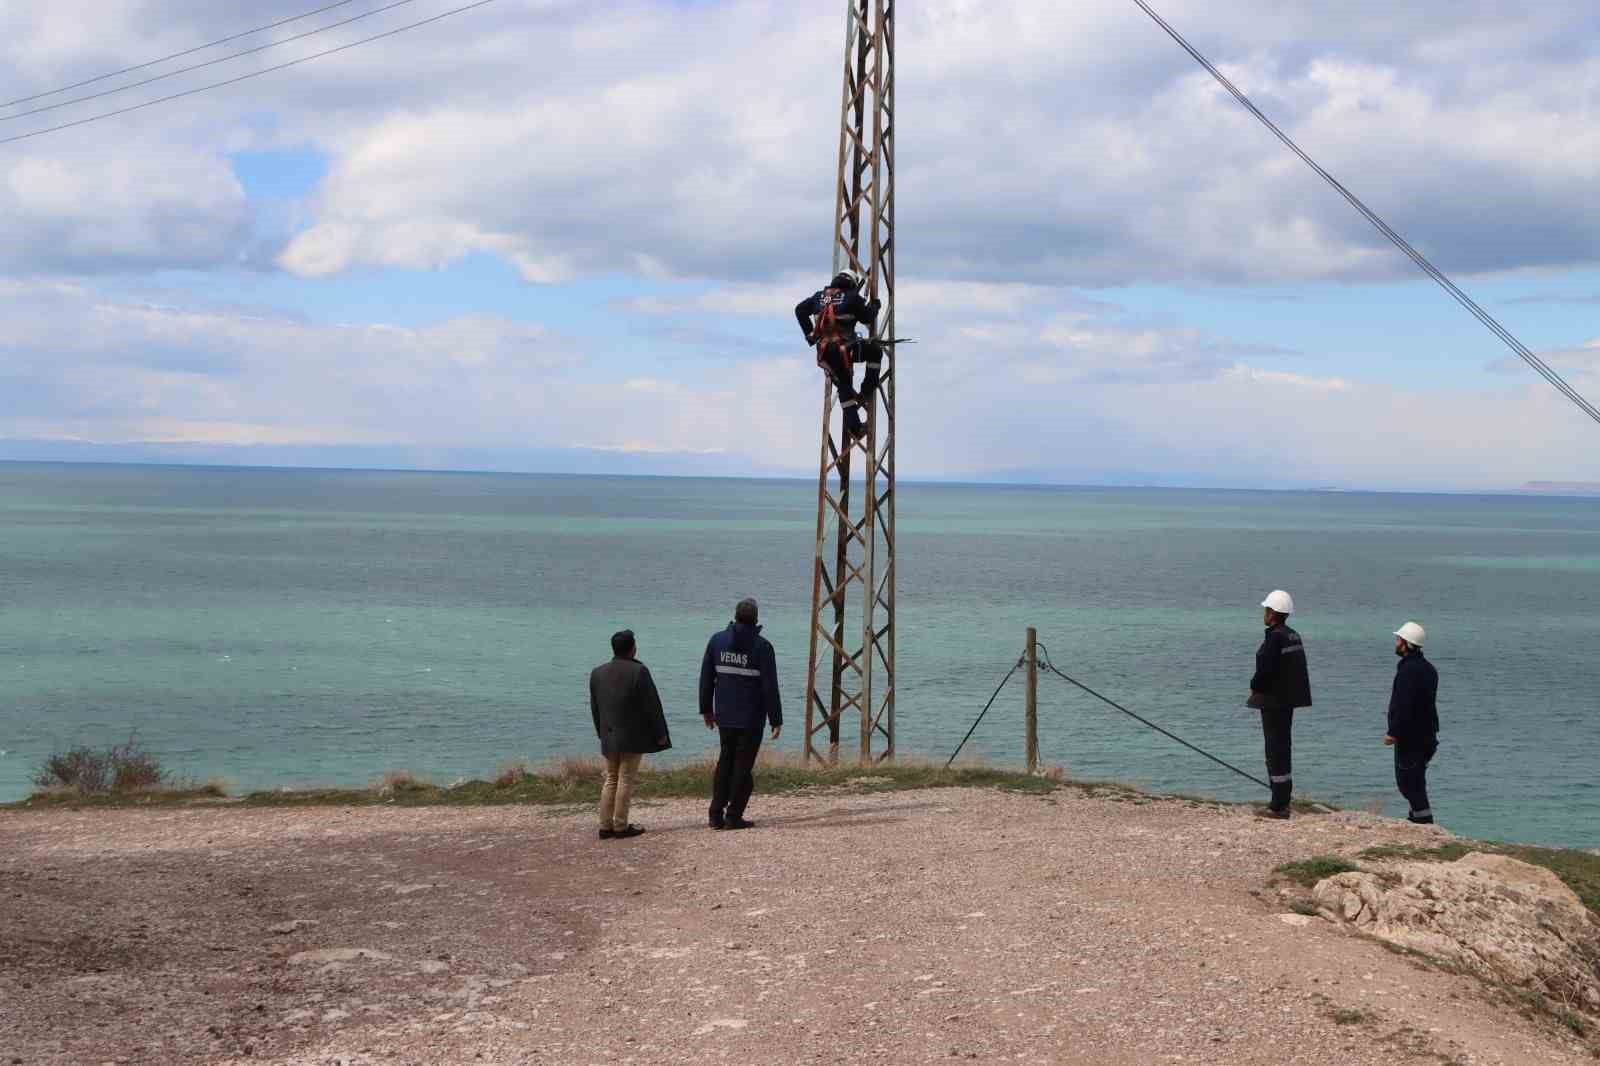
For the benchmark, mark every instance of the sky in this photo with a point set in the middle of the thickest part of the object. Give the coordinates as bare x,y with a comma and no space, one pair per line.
565,236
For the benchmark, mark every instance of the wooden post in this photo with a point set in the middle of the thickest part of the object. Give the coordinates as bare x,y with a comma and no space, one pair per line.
1032,700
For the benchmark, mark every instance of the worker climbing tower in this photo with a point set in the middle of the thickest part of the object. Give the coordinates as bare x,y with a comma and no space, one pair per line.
851,677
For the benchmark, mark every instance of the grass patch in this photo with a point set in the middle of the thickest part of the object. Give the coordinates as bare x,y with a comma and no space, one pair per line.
149,797
576,782
1536,1005
1352,1016
1307,872
1580,870
123,775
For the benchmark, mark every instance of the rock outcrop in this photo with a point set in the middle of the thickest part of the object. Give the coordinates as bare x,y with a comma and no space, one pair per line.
1497,916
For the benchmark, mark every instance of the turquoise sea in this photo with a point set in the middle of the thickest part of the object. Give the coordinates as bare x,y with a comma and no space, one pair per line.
293,627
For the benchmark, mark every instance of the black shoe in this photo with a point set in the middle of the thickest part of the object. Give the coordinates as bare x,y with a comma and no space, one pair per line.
629,830
738,823
1272,812
607,834
717,823
1420,821
716,819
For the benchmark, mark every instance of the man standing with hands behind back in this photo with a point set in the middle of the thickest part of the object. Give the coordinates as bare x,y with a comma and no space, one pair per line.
630,723
738,696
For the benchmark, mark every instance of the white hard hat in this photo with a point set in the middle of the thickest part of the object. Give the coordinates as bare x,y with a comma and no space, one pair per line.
1280,601
1412,634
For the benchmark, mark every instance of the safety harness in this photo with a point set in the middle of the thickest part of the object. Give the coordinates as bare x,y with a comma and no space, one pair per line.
829,331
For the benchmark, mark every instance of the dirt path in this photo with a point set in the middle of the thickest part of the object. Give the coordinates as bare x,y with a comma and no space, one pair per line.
915,927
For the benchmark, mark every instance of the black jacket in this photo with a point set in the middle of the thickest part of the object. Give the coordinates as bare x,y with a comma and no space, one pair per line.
627,709
848,310
1281,676
1413,706
739,679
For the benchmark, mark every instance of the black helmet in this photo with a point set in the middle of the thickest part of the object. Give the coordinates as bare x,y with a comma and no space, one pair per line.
845,280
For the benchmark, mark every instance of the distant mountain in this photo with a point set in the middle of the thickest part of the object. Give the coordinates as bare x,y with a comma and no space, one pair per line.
1563,488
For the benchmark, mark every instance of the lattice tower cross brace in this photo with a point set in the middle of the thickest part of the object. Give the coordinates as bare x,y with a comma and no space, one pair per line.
854,566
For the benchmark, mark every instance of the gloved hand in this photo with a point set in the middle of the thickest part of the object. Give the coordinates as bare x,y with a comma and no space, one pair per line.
811,340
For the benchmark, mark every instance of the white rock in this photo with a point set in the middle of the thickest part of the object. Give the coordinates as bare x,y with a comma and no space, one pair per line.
1497,916
720,1023
337,955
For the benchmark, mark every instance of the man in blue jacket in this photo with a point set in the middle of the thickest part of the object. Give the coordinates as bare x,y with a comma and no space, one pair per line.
1413,720
738,696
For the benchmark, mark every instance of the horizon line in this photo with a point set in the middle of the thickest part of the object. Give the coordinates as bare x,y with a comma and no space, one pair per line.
958,481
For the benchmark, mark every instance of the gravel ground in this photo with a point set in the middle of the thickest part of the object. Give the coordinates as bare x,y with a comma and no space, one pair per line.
848,926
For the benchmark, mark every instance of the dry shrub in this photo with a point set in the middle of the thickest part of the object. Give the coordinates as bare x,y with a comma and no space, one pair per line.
575,771
125,767
81,768
511,775
773,759
397,780
133,769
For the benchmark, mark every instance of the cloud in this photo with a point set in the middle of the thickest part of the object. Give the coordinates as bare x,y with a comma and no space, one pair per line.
684,154
1580,301
1066,145
1056,144
68,210
1061,389
1585,360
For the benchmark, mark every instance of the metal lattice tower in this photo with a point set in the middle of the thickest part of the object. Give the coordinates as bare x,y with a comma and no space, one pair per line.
851,670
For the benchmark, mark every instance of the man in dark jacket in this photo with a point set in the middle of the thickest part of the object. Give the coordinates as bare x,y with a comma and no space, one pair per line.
1280,684
630,723
828,318
1413,720
738,696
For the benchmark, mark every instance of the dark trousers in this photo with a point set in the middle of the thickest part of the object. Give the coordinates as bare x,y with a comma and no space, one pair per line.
1411,775
735,778
1276,726
832,357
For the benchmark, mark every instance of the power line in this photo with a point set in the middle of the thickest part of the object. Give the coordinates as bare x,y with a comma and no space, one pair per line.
983,712
1050,667
207,63
175,55
1523,351
246,77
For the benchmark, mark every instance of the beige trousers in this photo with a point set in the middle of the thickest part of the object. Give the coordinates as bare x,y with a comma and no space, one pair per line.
616,795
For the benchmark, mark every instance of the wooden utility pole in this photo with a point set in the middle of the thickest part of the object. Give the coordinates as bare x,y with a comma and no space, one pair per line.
1031,700
855,549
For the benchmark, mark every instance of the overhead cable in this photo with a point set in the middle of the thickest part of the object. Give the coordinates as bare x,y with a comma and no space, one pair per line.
175,55
986,706
1523,351
208,63
246,77
1050,667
